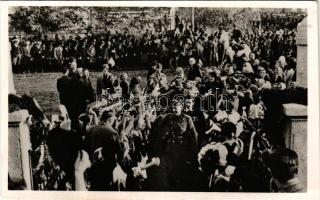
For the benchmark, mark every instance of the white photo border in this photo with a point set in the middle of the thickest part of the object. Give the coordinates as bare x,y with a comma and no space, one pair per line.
313,189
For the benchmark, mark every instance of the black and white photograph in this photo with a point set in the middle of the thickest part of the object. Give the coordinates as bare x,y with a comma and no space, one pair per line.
158,98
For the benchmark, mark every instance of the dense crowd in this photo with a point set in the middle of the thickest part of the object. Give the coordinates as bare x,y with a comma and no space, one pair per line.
214,127
171,48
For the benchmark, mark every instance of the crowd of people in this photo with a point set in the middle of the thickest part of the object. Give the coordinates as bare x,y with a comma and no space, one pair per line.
127,50
194,133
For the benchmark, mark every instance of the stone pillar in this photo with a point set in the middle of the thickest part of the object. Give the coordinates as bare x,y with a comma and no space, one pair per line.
302,53
19,163
296,135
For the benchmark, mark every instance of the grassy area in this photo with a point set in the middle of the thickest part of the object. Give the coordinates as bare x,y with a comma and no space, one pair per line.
42,86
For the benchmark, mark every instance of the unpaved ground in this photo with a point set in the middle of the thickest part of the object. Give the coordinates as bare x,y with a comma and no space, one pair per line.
42,86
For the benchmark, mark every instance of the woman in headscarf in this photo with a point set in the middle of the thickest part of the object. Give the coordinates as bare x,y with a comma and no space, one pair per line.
134,86
135,152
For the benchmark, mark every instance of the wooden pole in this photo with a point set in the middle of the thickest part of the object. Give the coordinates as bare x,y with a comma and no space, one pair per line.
173,18
193,19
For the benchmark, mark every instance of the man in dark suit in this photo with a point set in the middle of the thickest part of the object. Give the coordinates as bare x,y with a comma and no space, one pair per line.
276,48
16,51
88,89
84,91
68,88
64,89
194,69
103,80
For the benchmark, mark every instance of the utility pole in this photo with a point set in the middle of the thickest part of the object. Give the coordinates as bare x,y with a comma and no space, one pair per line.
260,25
193,19
90,17
173,18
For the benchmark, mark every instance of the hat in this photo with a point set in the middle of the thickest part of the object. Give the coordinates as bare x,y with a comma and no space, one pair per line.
177,101
15,40
247,69
282,60
84,118
111,62
179,70
189,41
192,59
